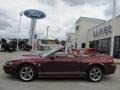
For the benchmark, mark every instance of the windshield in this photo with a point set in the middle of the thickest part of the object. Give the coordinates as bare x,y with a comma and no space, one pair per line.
52,51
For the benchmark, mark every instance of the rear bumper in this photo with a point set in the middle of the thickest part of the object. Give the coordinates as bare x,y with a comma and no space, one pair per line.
110,69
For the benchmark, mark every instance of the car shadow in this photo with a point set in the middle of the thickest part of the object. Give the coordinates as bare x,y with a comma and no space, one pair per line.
49,79
11,77
54,79
75,79
107,78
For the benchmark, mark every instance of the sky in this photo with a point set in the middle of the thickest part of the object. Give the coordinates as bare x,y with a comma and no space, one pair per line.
60,16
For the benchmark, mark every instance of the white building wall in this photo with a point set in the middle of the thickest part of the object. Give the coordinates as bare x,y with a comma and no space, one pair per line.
97,29
70,42
84,24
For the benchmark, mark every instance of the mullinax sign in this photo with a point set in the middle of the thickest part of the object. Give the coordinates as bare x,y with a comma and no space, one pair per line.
107,30
34,14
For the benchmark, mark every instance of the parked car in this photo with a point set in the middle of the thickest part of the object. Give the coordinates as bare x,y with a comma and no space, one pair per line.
5,46
92,51
54,64
25,47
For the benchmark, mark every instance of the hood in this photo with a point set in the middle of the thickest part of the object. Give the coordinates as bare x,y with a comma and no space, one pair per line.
28,57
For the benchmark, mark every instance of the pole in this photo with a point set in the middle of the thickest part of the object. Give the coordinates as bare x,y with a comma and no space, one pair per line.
32,33
113,24
47,34
35,42
19,30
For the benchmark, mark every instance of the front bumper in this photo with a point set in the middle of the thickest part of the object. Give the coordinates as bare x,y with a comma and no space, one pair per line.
10,69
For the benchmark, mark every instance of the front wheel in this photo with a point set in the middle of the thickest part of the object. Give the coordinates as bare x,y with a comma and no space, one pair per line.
3,49
27,73
95,74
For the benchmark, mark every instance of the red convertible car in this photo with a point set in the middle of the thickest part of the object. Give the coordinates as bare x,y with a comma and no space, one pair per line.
55,63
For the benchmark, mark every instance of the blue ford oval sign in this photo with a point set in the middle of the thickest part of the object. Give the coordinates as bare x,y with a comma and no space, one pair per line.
34,14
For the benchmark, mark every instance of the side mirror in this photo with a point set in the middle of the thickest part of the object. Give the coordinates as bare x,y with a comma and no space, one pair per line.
52,57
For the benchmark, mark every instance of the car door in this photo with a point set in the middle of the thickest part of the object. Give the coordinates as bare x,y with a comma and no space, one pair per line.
61,66
70,65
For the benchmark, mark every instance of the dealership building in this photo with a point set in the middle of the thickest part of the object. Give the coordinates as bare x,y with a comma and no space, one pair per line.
70,42
96,33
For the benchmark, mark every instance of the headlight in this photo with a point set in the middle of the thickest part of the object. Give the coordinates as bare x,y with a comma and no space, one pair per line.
9,63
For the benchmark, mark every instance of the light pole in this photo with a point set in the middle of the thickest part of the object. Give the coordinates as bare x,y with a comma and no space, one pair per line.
113,25
47,34
19,27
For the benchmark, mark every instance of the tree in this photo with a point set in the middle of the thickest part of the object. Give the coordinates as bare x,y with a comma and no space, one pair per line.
26,40
57,41
63,42
43,41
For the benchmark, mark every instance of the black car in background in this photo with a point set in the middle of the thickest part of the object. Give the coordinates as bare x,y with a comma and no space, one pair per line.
25,47
12,46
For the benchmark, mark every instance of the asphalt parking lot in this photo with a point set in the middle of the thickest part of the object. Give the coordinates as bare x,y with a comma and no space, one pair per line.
7,82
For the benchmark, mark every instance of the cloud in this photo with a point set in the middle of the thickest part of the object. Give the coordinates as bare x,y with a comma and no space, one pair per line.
49,2
4,20
60,15
109,9
4,24
91,2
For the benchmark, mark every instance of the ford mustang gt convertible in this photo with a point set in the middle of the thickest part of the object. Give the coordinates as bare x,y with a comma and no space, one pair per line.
56,63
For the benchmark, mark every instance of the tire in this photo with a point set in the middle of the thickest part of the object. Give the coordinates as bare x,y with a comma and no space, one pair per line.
94,74
27,73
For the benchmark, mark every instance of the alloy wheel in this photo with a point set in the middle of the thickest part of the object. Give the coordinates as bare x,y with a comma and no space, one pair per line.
27,73
95,74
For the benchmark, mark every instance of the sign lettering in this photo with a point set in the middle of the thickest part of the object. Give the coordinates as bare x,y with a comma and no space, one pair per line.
107,30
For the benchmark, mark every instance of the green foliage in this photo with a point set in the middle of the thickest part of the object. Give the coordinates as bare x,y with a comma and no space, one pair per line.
63,42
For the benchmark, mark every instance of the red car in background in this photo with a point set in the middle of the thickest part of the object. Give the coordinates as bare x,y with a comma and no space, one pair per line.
91,51
86,51
55,63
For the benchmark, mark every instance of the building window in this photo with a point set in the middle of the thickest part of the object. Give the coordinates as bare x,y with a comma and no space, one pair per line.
83,45
117,43
77,28
96,43
76,45
91,44
108,45
72,47
103,45
100,44
69,39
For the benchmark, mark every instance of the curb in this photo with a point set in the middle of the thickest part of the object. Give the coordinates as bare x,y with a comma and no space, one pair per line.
117,61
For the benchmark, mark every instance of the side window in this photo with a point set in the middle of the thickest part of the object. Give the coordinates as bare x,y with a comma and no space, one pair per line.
61,54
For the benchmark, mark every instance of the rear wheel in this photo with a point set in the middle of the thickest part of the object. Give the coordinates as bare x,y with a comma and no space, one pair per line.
95,74
27,73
